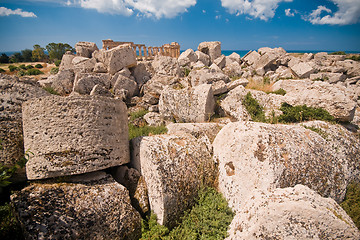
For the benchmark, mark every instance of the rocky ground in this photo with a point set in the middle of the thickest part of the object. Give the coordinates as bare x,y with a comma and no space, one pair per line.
88,181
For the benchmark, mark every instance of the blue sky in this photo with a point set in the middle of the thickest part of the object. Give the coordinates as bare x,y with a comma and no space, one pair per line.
238,24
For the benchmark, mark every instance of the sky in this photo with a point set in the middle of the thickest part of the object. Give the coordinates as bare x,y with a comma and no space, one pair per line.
330,25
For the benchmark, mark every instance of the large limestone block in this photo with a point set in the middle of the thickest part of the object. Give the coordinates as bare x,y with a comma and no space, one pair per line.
251,58
234,57
264,156
66,61
97,209
142,73
13,92
187,57
291,213
62,82
85,82
74,135
174,168
202,57
83,64
206,76
119,57
212,49
165,65
331,97
232,104
303,69
266,60
85,49
125,83
187,105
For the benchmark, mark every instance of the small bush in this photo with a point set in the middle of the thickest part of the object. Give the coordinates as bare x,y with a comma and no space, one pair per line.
22,66
338,53
351,204
57,63
303,113
278,92
39,65
54,70
254,109
138,114
319,131
186,72
29,66
21,73
12,68
51,90
266,80
2,70
9,226
34,71
208,219
355,58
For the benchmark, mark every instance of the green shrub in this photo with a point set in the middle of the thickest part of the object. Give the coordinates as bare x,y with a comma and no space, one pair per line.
338,53
303,113
2,70
21,73
22,66
9,226
186,72
12,68
319,131
208,219
138,114
278,92
29,66
57,63
39,65
351,204
266,80
355,58
54,70
51,90
253,108
146,130
34,71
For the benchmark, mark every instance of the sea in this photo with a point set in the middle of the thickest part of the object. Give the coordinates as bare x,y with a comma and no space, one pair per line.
242,52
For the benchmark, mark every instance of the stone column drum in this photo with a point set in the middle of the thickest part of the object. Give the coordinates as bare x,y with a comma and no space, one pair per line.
74,135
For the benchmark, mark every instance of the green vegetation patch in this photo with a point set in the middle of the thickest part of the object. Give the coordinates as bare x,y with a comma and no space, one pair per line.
54,70
278,92
208,219
355,58
12,68
319,131
33,71
9,226
135,131
57,63
351,204
2,70
51,90
303,113
338,53
138,114
253,108
39,65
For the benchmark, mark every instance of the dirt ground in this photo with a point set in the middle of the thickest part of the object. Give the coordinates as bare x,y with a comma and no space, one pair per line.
46,68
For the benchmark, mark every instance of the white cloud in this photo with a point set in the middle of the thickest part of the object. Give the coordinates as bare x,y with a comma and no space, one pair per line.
289,13
348,13
107,6
7,12
263,9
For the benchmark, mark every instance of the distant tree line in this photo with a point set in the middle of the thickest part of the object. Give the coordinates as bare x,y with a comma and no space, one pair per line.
55,52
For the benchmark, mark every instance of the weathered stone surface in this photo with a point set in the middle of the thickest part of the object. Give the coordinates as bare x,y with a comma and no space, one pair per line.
142,73
204,76
127,84
212,49
252,58
66,61
233,84
271,103
233,106
85,49
291,213
220,61
233,70
83,65
174,167
331,97
74,135
100,68
119,57
264,156
197,130
153,119
328,77
219,87
234,57
187,105
215,68
157,83
13,92
98,209
165,65
303,69
202,57
85,82
99,90
187,56
62,82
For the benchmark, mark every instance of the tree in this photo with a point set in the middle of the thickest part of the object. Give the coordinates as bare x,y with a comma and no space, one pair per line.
16,57
4,58
57,50
26,55
38,53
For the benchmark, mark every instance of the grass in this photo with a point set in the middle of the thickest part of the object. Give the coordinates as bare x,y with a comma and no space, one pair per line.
9,226
208,219
15,67
51,90
354,57
138,114
265,86
319,131
351,204
146,130
338,53
293,114
253,108
54,70
278,92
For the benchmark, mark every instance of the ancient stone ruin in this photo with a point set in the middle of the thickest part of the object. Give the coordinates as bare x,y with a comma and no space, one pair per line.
282,180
